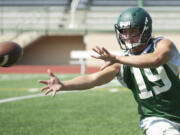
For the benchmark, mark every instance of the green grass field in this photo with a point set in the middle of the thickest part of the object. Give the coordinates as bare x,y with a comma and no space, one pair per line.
93,112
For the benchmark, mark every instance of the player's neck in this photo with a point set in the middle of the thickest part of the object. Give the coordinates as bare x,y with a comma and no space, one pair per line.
139,49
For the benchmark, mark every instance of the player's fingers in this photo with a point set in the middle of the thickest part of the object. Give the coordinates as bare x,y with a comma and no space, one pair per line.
95,50
105,50
54,93
50,73
43,81
48,91
99,49
96,57
44,88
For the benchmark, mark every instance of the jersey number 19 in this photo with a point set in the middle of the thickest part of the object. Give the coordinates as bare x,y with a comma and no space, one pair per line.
161,75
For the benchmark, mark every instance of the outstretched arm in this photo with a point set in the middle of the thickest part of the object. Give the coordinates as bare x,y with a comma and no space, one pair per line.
160,56
81,82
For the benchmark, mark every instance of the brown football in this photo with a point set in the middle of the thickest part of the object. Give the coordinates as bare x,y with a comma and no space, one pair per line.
10,53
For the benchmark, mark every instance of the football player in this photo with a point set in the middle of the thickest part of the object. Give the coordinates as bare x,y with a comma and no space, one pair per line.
148,66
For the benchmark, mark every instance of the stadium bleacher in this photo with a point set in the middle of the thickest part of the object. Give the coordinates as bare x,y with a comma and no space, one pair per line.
161,3
34,2
51,15
55,16
114,3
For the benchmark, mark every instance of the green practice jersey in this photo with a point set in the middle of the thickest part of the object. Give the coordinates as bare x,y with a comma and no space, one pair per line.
156,90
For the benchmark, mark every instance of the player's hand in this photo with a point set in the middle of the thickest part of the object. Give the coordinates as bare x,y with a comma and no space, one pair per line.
103,54
52,85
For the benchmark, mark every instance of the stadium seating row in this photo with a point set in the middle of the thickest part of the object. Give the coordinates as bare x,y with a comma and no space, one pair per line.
89,2
55,16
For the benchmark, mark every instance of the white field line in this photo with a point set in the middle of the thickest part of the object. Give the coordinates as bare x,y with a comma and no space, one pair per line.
19,98
29,96
112,83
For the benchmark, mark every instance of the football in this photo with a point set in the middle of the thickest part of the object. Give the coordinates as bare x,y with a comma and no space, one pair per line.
10,53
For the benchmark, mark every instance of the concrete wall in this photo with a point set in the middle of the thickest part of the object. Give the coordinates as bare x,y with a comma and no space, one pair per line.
52,50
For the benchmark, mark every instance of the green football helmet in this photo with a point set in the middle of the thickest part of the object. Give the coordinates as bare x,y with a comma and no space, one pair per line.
134,18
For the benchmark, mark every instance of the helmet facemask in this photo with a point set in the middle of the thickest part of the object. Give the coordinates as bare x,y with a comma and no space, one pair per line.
123,40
